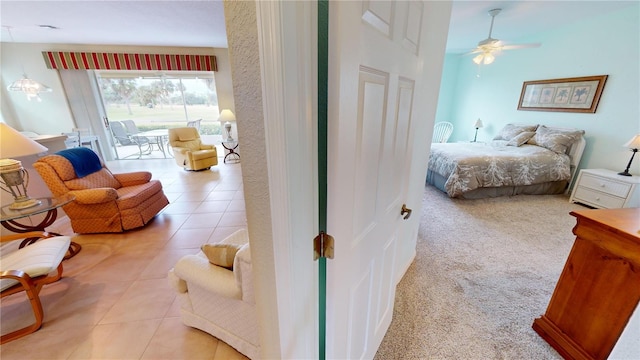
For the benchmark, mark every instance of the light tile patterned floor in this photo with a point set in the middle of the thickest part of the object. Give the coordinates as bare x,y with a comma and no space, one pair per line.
114,301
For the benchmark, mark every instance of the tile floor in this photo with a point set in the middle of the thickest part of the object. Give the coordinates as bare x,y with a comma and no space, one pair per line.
114,301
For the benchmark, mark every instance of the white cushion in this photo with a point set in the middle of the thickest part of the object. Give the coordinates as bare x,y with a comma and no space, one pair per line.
36,259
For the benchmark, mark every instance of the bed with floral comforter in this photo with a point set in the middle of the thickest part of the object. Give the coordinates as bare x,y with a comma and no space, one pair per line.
517,161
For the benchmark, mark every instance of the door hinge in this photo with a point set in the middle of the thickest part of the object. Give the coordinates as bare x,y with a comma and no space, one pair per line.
323,246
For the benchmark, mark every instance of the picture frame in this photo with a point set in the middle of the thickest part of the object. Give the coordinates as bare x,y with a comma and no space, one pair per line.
578,94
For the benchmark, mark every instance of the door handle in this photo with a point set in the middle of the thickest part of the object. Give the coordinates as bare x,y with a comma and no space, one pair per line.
405,211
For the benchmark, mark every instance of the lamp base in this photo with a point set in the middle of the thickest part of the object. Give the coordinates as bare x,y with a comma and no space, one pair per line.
625,173
23,204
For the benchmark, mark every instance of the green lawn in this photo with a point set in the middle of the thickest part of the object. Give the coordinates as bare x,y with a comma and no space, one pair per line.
167,116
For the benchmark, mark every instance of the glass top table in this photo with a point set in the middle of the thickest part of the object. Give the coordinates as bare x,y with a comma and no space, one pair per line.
48,205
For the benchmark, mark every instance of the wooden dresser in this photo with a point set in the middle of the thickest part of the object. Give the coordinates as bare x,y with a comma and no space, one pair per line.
599,287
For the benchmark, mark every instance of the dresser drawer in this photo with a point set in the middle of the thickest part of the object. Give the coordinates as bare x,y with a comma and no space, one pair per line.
608,186
597,198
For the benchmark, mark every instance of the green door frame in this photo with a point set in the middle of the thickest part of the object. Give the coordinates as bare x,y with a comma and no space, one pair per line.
323,59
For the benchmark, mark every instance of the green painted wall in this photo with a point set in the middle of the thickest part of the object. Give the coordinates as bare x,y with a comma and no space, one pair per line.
608,44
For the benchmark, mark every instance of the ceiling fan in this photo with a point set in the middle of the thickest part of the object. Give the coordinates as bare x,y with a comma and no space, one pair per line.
489,47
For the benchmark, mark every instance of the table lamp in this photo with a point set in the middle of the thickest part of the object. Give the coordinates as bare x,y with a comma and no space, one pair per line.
477,125
227,116
633,145
15,179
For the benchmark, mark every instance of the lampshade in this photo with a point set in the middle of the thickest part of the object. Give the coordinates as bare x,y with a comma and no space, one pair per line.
634,143
13,144
478,124
227,115
14,179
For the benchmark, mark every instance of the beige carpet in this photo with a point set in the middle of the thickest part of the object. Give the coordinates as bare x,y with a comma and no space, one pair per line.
484,270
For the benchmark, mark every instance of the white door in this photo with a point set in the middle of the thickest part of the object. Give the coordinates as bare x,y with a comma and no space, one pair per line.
376,84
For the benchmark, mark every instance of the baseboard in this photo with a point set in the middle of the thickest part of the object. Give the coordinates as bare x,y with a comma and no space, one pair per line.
558,340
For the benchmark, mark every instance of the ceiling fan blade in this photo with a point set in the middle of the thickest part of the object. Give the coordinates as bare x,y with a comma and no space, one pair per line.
474,51
520,46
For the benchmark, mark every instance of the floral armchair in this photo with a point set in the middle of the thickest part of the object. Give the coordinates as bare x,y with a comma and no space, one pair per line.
104,202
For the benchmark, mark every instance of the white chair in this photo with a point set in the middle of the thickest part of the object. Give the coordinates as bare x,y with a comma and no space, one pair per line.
217,300
441,132
28,269
72,141
85,138
195,124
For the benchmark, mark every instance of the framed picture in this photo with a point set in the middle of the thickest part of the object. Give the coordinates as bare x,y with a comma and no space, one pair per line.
579,94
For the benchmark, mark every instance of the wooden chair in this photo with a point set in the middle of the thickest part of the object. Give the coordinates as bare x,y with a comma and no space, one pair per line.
441,132
28,269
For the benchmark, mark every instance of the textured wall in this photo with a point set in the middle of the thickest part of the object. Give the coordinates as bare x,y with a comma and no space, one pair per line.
242,36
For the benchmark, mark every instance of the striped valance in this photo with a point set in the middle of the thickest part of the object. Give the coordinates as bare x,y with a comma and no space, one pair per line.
120,61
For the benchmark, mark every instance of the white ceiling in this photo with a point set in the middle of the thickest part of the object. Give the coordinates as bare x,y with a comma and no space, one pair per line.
139,22
201,23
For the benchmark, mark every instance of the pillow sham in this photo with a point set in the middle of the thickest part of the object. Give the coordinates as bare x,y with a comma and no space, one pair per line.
556,140
521,138
221,254
510,131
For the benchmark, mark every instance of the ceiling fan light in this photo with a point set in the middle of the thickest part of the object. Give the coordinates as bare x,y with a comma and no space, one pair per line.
478,59
488,59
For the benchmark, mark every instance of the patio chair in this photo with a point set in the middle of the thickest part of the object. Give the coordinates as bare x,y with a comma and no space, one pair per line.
132,130
124,139
194,124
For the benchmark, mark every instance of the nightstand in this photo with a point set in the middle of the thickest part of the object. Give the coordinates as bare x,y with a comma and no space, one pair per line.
601,188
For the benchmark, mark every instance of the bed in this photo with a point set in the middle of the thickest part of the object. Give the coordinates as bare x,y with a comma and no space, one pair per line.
521,159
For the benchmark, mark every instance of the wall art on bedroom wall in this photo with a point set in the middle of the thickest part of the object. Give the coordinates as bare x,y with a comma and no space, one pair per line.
579,94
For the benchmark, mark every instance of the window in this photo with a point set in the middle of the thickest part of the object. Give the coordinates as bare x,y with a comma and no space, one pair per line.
155,100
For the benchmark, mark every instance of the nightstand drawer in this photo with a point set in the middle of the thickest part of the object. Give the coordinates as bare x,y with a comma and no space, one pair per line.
605,185
597,198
